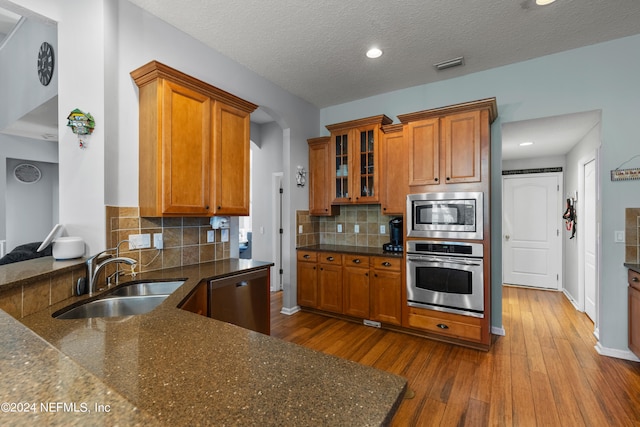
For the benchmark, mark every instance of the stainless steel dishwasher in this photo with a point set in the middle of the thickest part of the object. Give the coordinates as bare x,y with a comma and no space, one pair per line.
242,300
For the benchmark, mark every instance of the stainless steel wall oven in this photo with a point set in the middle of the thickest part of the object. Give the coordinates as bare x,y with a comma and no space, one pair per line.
446,276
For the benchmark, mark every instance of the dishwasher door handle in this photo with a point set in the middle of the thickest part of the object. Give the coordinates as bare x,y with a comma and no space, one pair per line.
241,284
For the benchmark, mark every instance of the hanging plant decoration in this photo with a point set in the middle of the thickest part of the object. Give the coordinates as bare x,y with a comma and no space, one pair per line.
81,124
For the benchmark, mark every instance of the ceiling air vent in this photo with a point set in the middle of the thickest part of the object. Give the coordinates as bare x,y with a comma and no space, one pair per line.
27,173
449,64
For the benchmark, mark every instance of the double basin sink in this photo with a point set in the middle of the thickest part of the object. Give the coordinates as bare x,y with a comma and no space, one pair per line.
126,300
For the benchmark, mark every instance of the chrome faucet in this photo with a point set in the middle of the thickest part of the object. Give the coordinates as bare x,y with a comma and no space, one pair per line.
94,268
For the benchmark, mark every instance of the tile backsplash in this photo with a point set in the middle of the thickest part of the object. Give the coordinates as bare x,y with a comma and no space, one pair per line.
184,239
631,234
324,230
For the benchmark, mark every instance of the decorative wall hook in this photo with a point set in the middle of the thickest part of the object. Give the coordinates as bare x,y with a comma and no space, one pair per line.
81,124
301,176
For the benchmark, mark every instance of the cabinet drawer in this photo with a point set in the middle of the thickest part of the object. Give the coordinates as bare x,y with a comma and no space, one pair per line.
386,263
634,279
452,325
307,256
355,261
330,258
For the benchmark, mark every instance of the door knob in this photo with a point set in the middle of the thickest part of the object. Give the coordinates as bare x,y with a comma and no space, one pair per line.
507,237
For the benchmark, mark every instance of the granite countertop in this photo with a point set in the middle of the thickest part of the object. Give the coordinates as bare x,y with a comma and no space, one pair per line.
38,379
26,271
185,369
357,250
632,266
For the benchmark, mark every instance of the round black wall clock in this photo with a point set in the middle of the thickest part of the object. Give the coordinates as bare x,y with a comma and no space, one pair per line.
45,63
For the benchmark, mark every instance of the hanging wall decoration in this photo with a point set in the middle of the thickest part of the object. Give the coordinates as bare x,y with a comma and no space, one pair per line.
570,217
82,124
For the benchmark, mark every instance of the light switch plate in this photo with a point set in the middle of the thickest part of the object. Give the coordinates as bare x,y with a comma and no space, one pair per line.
618,236
157,240
211,236
339,228
356,228
224,234
383,229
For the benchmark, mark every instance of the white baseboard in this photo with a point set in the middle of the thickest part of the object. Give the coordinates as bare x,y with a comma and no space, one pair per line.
290,311
572,300
618,354
498,331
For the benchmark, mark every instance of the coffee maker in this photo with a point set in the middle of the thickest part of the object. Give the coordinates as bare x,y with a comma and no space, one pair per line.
395,232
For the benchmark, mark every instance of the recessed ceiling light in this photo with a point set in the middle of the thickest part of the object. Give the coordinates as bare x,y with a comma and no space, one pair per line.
524,144
374,52
544,2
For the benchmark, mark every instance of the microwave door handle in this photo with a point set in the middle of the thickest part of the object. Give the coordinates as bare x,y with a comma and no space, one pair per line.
459,262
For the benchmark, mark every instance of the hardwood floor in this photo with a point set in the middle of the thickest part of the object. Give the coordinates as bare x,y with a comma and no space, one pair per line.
544,372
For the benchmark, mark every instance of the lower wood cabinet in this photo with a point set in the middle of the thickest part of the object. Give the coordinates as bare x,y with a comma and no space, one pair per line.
447,324
361,286
634,312
330,282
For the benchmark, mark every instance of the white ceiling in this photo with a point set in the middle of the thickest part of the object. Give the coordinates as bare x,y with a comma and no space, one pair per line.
316,49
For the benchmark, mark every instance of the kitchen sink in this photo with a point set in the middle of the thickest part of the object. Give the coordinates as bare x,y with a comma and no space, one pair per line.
127,300
146,288
112,307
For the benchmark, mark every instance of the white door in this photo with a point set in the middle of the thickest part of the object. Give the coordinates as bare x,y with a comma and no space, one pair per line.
531,230
589,218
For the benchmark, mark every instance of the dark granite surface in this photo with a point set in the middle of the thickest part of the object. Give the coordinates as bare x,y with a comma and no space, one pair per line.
632,266
186,369
27,271
41,386
356,250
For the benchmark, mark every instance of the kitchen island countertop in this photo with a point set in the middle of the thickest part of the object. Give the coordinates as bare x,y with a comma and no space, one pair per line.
184,369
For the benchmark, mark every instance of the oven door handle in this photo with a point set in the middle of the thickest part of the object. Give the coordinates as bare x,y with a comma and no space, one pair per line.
444,260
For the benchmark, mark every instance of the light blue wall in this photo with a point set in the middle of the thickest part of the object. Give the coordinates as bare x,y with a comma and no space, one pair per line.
600,77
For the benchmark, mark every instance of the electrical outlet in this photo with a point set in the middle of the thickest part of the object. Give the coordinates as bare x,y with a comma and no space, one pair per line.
339,228
618,236
224,235
356,228
211,236
300,229
383,229
157,240
139,241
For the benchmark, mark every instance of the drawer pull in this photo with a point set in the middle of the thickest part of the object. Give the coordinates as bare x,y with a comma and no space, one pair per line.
330,258
442,326
357,261
386,264
634,279
307,256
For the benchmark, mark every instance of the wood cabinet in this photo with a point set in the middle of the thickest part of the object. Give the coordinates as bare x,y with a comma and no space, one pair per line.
386,290
307,279
447,324
361,286
320,176
330,282
355,152
394,185
197,302
193,146
448,145
355,282
634,312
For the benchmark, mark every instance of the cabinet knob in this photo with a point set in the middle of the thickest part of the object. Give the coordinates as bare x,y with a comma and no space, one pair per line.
436,179
357,261
366,274
207,207
442,326
448,179
384,209
386,264
219,207
330,258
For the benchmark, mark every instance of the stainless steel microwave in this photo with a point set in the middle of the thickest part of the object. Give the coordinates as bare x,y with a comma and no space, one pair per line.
456,215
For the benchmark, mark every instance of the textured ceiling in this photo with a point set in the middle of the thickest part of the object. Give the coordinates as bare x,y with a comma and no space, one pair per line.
315,49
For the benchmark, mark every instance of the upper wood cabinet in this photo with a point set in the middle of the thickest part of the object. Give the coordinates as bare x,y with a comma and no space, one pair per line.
394,184
355,152
449,145
193,148
319,178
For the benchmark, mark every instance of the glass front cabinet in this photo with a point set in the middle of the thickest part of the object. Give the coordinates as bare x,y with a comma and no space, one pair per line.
355,151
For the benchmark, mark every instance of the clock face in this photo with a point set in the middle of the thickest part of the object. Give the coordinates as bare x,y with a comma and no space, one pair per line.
45,63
